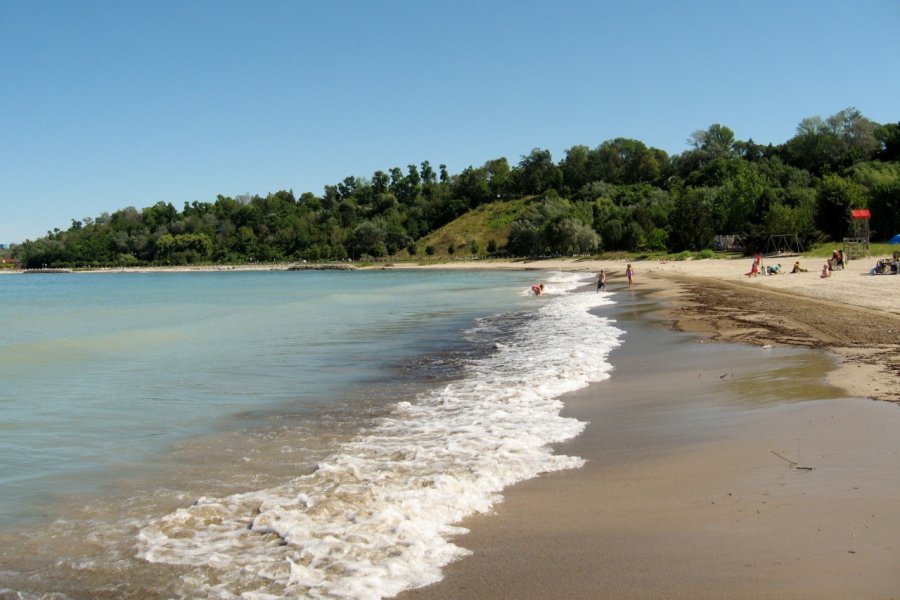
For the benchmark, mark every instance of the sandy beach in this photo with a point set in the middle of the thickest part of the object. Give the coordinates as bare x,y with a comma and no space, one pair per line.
852,314
746,446
759,469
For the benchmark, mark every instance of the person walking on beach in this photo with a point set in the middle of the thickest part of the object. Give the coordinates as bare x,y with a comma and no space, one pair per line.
754,268
601,280
629,273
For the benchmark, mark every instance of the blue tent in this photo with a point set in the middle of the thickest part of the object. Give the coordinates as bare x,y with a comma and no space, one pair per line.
895,239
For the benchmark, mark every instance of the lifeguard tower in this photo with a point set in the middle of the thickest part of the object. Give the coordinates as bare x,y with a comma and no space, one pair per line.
858,245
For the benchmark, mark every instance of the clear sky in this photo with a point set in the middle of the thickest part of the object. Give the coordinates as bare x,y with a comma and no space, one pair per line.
109,104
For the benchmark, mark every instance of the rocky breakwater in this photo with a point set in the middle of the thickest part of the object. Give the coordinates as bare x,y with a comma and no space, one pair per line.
322,267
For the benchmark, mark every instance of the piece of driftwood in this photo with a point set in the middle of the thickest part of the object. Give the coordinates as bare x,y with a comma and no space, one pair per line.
793,464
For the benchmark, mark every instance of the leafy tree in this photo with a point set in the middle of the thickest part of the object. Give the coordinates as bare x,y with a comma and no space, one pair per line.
380,182
885,208
737,200
874,173
633,236
537,173
368,238
717,141
183,248
829,146
429,177
691,220
856,135
626,161
499,176
575,168
889,138
835,197
612,233
473,187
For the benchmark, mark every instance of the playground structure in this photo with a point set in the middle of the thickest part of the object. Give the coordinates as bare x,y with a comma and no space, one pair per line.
784,244
857,246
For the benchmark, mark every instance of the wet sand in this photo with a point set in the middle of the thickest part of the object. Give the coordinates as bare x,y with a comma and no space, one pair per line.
715,470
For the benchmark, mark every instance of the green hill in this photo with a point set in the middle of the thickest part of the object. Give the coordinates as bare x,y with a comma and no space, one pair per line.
474,232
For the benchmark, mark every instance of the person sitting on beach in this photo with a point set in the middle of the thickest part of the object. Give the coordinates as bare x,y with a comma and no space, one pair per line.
885,266
601,280
538,289
837,262
798,269
774,270
826,270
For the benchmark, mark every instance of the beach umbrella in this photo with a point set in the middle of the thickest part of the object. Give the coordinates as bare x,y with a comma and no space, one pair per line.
895,239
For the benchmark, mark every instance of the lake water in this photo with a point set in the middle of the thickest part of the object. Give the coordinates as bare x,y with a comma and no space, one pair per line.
274,434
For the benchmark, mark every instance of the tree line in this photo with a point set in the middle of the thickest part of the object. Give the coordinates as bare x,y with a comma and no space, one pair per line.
620,195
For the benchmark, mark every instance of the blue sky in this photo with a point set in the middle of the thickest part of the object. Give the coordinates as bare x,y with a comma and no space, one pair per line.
111,104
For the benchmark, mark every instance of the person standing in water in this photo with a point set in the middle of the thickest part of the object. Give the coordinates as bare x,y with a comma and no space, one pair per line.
629,273
601,280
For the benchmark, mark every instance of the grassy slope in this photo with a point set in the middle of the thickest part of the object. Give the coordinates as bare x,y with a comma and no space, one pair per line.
487,223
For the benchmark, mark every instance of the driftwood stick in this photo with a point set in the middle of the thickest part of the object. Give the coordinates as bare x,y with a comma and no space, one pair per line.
783,458
792,463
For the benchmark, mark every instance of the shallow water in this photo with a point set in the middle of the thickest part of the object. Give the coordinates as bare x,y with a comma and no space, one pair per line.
289,434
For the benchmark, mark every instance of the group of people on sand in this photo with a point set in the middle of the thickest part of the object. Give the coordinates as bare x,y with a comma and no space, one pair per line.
757,269
538,288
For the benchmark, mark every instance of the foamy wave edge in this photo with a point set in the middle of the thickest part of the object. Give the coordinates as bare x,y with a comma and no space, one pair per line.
377,517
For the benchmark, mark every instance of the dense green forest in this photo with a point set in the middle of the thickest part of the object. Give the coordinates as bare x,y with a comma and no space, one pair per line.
620,195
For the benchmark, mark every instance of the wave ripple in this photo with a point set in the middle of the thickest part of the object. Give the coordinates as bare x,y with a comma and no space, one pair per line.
379,515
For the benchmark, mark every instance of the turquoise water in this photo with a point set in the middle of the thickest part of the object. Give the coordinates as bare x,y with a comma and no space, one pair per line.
276,434
107,369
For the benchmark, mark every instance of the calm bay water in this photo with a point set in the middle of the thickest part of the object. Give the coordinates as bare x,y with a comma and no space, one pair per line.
285,433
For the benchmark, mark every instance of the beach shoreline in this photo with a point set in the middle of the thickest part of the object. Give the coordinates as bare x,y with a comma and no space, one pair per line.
852,314
714,470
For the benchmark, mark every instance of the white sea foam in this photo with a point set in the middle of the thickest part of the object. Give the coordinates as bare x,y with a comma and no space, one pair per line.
379,516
